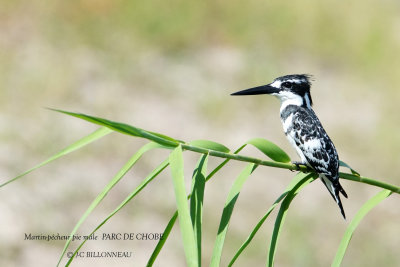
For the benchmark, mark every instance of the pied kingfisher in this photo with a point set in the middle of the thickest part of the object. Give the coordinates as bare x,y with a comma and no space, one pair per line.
304,130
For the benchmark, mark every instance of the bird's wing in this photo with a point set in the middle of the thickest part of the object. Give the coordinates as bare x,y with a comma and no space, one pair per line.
318,150
315,144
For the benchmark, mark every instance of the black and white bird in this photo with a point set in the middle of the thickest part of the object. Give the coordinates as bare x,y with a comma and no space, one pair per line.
304,130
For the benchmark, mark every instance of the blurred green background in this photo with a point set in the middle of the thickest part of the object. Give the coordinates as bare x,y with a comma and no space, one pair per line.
169,67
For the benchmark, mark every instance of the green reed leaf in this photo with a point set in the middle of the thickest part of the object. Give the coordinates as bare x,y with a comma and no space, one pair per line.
344,164
189,242
121,173
207,144
139,188
292,184
227,212
162,240
367,207
196,201
280,218
271,150
99,133
171,222
125,129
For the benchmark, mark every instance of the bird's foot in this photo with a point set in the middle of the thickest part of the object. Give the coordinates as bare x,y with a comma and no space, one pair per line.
297,163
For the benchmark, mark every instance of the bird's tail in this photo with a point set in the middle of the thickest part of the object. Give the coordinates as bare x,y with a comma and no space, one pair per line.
334,188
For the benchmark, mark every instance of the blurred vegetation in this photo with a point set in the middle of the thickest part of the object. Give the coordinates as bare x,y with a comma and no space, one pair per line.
144,61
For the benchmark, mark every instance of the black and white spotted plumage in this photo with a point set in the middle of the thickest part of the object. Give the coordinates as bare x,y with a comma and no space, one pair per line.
304,130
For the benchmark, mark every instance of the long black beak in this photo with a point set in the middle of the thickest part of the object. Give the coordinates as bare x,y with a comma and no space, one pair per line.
259,90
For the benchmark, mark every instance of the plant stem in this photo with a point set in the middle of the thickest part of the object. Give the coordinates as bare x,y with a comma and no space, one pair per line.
289,166
369,181
171,143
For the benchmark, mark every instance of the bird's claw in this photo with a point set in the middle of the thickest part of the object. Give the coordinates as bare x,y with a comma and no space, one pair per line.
297,163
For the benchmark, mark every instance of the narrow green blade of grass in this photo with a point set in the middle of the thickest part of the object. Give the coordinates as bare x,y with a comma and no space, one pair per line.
189,243
227,213
162,240
280,219
125,129
210,145
344,164
270,149
78,144
196,201
139,188
293,183
172,221
107,188
367,207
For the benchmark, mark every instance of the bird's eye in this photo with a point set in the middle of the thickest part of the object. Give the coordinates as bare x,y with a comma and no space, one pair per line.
287,84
